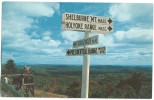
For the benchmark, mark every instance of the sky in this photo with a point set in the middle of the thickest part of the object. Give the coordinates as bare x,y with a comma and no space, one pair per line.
32,33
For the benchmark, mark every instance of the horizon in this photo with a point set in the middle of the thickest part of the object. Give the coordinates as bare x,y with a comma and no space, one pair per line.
81,65
32,34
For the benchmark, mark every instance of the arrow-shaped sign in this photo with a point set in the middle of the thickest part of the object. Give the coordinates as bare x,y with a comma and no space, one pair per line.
87,41
109,28
86,51
71,17
110,21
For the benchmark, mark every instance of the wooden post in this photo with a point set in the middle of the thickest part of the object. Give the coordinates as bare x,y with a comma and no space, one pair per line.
85,72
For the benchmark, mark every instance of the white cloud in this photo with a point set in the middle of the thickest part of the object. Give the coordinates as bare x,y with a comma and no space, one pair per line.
35,35
31,8
131,55
47,33
72,35
17,18
134,35
46,38
106,40
126,47
128,12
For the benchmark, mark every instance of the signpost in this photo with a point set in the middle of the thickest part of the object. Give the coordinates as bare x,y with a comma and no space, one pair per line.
86,51
78,22
87,24
88,41
77,26
68,17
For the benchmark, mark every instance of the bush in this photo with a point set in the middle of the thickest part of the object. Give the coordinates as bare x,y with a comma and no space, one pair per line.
74,89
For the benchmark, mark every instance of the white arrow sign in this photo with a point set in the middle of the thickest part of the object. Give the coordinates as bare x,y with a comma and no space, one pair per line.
88,41
79,22
67,17
77,26
86,51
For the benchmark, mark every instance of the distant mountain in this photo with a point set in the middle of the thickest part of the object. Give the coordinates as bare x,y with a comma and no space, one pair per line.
22,63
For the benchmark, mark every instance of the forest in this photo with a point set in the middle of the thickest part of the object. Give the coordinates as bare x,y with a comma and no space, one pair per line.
106,81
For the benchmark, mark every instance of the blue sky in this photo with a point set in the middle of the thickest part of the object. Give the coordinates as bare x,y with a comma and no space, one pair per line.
32,34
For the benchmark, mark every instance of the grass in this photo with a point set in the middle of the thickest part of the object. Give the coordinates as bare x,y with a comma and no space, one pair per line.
40,93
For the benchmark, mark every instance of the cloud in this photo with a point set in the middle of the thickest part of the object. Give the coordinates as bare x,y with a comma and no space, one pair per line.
126,54
131,12
34,45
105,40
32,9
72,35
134,36
69,37
47,33
131,46
17,18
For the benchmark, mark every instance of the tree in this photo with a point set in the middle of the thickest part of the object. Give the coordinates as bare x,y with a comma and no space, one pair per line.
10,66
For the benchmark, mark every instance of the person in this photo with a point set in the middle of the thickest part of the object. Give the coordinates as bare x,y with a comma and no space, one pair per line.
27,70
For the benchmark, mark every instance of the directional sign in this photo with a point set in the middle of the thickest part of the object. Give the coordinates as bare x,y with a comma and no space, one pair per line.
86,51
88,41
78,26
67,17
87,24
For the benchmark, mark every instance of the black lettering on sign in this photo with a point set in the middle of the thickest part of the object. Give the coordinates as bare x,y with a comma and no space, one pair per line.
77,26
90,26
67,16
67,25
77,17
102,28
94,40
72,51
95,50
77,51
68,52
93,19
82,42
87,41
74,25
102,21
92,51
102,50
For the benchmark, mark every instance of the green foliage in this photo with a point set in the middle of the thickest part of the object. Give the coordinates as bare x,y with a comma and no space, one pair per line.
10,67
146,90
74,89
95,90
103,84
125,91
